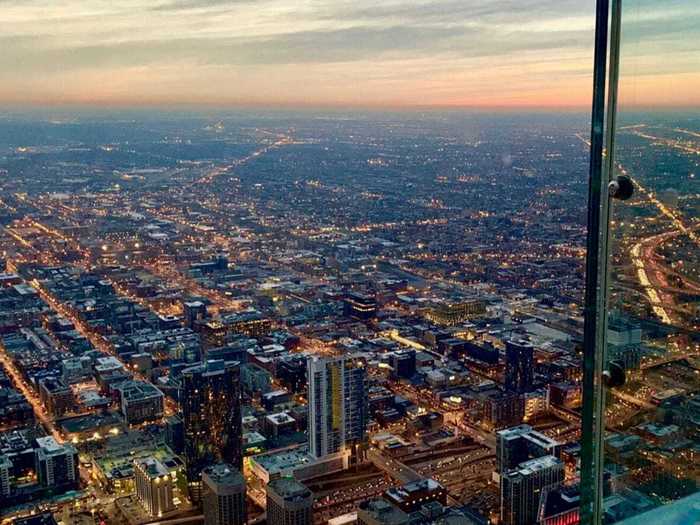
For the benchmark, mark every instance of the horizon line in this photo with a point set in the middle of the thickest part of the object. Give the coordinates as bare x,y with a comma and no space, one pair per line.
13,107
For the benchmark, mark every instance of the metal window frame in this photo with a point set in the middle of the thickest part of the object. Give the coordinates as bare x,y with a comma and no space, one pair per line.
601,170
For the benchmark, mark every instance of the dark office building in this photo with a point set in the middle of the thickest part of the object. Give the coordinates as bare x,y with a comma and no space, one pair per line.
289,503
484,352
194,311
519,366
291,372
522,488
504,409
403,364
519,444
224,495
213,334
452,347
359,306
56,396
211,413
175,434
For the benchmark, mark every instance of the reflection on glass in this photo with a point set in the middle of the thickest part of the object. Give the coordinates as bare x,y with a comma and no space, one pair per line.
652,436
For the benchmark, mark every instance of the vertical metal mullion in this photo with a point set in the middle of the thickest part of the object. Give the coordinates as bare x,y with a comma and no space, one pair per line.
604,247
589,489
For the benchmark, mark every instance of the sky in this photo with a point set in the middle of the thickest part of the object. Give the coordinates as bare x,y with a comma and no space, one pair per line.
385,53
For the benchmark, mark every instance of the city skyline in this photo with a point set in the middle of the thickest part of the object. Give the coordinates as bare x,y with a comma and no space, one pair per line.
279,53
350,263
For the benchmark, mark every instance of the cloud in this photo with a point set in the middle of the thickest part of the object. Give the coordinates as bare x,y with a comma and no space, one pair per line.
532,44
186,5
321,46
451,11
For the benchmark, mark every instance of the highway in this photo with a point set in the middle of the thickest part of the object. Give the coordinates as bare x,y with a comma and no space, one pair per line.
631,399
650,273
397,470
221,170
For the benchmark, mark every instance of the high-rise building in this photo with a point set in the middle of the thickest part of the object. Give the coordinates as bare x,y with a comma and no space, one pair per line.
519,366
175,434
503,409
624,342
337,405
289,503
356,402
518,444
326,406
194,311
5,482
154,487
403,364
211,413
522,487
560,506
56,464
359,306
223,495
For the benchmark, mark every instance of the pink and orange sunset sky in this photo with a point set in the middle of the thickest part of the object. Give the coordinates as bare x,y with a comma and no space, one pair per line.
497,53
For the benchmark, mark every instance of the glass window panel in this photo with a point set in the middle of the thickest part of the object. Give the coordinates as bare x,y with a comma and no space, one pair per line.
651,438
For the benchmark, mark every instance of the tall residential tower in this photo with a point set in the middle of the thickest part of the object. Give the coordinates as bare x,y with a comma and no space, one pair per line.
337,405
211,412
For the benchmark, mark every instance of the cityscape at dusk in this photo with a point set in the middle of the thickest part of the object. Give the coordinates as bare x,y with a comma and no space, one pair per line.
297,263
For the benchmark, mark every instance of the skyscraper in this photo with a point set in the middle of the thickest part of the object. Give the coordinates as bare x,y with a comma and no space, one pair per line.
403,363
522,487
518,444
154,487
194,311
356,402
360,306
289,503
211,412
57,465
326,406
519,366
223,495
5,470
337,405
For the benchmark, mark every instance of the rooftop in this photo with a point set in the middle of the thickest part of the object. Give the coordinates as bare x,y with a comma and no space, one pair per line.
290,489
405,491
152,467
281,461
134,390
224,474
49,444
534,465
382,509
